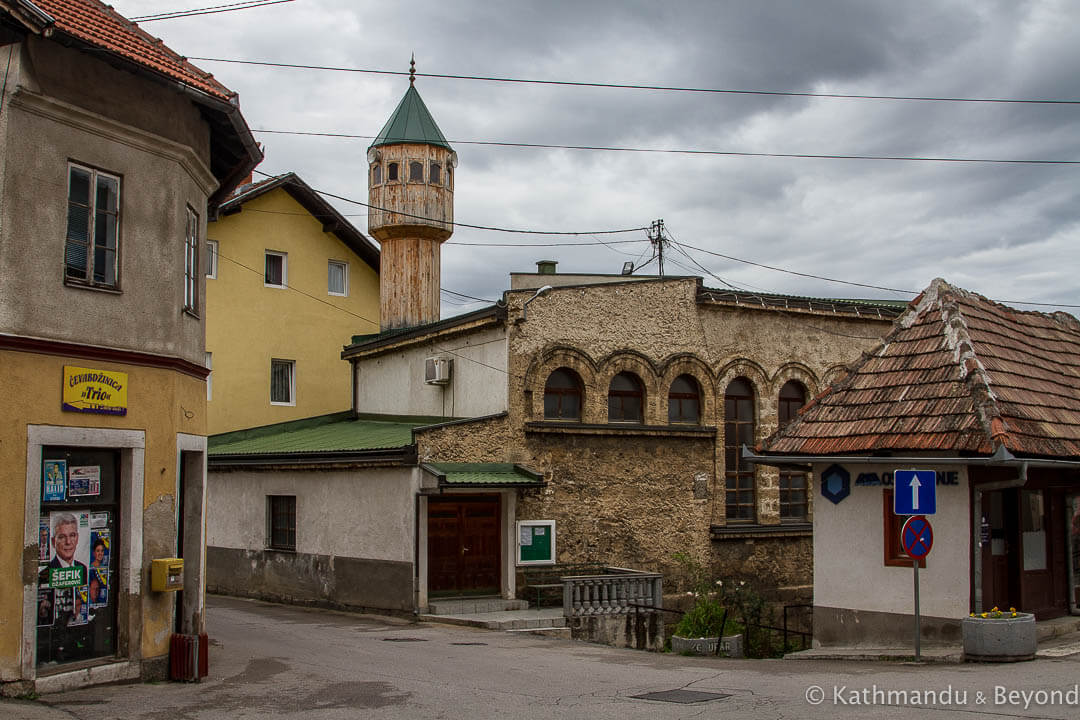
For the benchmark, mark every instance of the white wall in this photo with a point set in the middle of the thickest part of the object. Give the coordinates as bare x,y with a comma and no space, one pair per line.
361,513
849,569
394,383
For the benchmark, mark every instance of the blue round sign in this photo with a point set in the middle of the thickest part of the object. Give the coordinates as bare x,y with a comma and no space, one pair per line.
917,537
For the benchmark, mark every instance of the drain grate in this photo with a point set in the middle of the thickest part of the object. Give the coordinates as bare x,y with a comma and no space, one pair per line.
682,696
468,643
404,639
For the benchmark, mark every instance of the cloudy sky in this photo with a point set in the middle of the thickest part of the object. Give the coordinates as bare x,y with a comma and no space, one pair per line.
1010,231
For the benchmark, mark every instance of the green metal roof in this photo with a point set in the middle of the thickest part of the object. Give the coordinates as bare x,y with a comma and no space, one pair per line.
485,474
311,437
411,123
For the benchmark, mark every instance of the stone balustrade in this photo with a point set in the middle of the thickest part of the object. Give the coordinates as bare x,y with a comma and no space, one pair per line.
618,591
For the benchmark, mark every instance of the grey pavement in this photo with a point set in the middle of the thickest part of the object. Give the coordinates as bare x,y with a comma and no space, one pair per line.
270,661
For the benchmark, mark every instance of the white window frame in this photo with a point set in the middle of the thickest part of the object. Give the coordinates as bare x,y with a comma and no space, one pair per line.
284,269
209,362
92,239
292,382
191,263
344,278
212,248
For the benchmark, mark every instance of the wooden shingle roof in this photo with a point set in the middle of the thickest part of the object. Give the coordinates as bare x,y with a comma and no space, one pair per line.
958,373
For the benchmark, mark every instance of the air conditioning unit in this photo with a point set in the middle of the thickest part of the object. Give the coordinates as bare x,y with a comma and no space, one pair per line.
437,371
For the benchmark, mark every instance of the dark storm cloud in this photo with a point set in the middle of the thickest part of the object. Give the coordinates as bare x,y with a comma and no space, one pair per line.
1009,231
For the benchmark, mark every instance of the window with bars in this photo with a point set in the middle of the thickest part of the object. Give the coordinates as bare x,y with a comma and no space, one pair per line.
562,396
626,399
191,263
93,240
282,382
739,429
281,522
793,484
684,401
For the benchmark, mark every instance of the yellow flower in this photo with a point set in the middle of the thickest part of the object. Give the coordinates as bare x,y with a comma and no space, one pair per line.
1012,610
994,609
1014,614
971,615
985,614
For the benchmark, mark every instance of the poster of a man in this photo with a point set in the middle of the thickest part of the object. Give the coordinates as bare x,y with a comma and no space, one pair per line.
99,587
70,541
43,540
45,608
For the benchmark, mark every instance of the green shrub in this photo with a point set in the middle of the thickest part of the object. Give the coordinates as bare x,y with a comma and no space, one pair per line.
705,619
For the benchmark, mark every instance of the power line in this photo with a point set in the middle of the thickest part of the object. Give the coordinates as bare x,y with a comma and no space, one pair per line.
467,225
654,88
719,153
212,10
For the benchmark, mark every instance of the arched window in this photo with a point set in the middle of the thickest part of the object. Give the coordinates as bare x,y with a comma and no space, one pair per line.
625,399
562,396
392,172
684,401
416,172
739,424
435,174
376,174
793,485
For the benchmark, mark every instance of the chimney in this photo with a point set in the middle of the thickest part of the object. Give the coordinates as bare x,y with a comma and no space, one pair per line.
546,267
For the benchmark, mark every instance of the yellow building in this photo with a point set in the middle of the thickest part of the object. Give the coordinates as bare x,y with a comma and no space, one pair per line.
106,183
289,281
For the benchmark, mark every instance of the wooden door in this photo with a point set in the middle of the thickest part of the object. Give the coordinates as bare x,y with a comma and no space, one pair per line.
464,554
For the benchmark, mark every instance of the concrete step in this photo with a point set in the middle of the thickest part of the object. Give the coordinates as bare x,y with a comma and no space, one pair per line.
545,618
554,632
472,606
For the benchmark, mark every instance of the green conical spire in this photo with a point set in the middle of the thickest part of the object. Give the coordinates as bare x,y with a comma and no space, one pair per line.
411,123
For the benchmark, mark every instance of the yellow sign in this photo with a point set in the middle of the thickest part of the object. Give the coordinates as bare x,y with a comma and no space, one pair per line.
95,391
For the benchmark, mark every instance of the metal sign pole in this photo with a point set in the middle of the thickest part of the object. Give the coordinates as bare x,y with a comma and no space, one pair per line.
918,619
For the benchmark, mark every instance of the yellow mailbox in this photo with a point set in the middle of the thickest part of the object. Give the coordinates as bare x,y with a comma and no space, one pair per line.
167,575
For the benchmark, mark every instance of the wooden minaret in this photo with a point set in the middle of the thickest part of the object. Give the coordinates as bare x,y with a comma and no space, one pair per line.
411,192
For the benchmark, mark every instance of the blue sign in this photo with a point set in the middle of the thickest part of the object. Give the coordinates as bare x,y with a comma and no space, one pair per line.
835,484
915,492
917,537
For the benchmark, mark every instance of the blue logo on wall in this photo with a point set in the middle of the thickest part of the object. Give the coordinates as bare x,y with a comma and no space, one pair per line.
835,483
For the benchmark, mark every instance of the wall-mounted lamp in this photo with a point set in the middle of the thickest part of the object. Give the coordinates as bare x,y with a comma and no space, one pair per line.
525,307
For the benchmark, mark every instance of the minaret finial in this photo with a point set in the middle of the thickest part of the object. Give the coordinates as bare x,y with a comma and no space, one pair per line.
412,70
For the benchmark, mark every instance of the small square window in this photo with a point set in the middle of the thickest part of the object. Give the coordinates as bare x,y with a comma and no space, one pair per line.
277,269
337,278
209,362
211,259
281,522
282,382
893,523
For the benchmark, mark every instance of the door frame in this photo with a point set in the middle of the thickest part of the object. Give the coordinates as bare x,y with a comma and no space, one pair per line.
508,547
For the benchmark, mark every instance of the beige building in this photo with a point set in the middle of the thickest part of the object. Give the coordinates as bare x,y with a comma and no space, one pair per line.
113,151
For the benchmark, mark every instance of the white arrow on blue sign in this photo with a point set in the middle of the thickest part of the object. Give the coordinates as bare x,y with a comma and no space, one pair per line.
915,492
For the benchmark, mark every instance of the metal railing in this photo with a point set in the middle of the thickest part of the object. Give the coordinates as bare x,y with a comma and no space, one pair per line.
618,591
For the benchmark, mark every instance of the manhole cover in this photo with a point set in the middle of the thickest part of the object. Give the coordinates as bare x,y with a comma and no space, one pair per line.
468,643
404,639
682,696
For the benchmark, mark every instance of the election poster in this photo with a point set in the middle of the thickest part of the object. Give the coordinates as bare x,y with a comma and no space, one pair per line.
84,480
54,473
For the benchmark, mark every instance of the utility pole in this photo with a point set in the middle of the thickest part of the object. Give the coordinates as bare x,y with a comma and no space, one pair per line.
656,237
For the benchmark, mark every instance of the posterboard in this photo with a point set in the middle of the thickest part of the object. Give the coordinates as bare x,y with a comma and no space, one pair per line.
536,542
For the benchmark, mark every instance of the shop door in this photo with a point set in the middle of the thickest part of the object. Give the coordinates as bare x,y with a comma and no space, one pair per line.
463,545
1000,552
1073,515
79,555
1043,553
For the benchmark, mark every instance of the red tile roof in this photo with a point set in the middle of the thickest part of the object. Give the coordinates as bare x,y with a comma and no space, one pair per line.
958,372
99,25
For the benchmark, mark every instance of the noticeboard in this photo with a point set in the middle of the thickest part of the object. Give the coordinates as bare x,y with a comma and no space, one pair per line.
536,542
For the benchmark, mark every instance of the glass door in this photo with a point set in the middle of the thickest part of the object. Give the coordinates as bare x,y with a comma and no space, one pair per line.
79,555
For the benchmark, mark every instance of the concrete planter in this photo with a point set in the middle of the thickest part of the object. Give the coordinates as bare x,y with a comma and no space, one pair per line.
730,646
1004,639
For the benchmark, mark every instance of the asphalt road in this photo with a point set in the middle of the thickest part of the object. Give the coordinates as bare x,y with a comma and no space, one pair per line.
270,661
